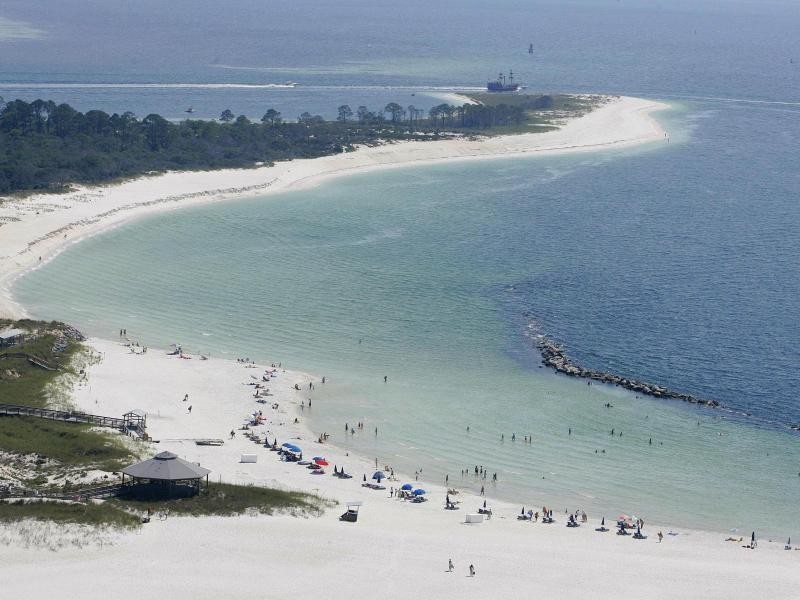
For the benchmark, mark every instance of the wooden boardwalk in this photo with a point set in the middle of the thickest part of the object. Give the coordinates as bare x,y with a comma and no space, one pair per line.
68,416
31,359
103,491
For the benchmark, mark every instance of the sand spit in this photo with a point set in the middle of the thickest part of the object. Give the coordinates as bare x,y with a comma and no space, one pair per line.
37,227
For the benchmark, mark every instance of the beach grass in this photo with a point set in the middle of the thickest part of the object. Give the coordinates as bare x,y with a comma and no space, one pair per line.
71,444
94,514
226,499
23,383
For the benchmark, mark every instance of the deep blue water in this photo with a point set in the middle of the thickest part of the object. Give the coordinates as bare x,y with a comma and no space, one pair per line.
678,264
682,268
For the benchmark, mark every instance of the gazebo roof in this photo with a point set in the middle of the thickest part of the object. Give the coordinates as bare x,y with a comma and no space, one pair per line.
166,466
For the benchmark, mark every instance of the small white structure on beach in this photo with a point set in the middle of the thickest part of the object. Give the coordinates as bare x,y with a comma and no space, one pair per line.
11,336
249,458
473,518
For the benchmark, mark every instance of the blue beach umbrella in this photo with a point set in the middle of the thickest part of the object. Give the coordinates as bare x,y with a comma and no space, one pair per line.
378,475
419,492
407,487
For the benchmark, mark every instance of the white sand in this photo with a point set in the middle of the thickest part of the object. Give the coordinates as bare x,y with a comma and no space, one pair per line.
395,549
41,225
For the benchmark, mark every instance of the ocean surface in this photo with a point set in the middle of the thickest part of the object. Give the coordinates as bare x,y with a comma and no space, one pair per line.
677,263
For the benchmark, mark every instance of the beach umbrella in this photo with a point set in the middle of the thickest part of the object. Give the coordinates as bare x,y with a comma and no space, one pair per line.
419,492
378,475
407,487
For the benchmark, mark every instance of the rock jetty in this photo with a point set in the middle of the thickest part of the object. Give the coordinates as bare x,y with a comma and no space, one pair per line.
555,357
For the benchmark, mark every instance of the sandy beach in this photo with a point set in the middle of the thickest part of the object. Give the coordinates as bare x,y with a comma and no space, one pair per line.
35,228
396,548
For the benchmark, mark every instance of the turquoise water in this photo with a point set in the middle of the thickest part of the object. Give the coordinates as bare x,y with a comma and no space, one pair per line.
678,264
422,277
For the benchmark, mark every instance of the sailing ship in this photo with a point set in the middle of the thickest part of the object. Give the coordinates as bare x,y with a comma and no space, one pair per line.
502,84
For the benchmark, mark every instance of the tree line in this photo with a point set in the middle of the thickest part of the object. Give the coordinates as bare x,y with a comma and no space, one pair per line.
44,145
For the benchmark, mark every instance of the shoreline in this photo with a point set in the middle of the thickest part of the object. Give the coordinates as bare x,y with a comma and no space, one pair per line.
415,539
36,228
513,558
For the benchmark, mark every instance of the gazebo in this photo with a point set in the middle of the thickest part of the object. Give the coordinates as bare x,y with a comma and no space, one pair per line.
165,475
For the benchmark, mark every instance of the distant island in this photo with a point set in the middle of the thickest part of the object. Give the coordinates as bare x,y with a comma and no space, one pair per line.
46,146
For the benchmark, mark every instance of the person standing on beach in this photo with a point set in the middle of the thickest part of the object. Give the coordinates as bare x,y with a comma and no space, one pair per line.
450,566
385,379
471,571
190,409
483,492
660,537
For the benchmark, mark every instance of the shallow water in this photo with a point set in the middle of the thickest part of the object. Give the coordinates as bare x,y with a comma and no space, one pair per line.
423,275
678,264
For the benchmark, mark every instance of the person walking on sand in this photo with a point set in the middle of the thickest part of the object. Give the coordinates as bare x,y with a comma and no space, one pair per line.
450,566
483,492
385,379
190,409
660,537
186,398
471,571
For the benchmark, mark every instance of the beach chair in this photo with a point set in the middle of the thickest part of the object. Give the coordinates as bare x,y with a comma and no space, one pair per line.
351,514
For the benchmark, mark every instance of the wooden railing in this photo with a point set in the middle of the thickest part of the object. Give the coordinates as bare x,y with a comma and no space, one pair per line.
34,360
68,416
103,491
